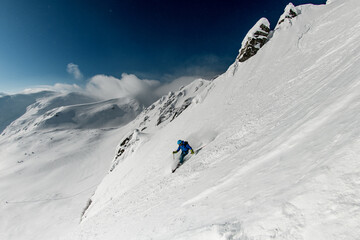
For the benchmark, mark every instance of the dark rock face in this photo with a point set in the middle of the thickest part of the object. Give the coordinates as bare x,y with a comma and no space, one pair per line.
178,111
123,146
254,40
126,147
170,106
168,109
291,15
290,12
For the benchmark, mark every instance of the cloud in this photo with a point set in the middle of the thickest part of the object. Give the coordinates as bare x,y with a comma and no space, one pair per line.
61,87
175,85
103,87
58,87
129,85
74,70
206,66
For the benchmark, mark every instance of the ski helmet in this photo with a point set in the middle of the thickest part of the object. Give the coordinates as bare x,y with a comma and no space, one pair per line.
179,142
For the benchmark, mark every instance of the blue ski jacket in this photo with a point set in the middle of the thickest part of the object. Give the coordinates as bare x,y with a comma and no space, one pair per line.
184,146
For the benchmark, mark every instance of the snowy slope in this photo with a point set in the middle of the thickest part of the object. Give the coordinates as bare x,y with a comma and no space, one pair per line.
72,110
281,147
55,154
46,179
13,106
52,157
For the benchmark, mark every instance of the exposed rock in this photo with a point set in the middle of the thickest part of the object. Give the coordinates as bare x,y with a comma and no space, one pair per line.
167,109
146,118
125,143
88,204
178,111
254,40
170,106
290,12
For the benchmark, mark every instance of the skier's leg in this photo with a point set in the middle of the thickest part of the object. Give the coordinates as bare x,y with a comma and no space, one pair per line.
181,159
183,154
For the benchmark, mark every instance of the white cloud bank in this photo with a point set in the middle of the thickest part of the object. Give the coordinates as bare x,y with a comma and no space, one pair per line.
58,87
175,85
129,85
103,87
74,70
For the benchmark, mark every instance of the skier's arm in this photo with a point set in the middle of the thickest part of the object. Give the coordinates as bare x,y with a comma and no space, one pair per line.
190,148
177,150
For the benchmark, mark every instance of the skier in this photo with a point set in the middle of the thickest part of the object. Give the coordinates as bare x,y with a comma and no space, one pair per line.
185,147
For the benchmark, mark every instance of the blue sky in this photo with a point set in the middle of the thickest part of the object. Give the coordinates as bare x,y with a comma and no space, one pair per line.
153,39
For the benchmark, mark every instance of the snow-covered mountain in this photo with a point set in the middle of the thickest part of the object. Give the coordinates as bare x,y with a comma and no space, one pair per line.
50,110
277,140
58,148
52,156
14,106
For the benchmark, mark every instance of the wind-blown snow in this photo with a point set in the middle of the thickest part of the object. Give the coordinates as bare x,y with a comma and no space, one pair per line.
277,140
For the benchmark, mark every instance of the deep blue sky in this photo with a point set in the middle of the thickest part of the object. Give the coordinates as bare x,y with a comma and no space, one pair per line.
154,39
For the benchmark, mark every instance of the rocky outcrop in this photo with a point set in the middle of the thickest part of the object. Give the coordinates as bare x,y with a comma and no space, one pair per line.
254,40
179,110
127,146
121,149
167,109
290,12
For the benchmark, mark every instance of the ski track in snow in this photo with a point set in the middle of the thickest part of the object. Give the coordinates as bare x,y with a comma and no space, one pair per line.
302,132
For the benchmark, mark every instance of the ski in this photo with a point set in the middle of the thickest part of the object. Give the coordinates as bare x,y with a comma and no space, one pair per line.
177,166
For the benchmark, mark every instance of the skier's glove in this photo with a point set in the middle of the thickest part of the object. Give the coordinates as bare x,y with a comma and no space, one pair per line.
192,151
174,152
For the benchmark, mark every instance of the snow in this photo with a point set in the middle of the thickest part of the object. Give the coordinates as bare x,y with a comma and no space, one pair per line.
279,138
14,106
111,113
74,110
330,1
50,165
